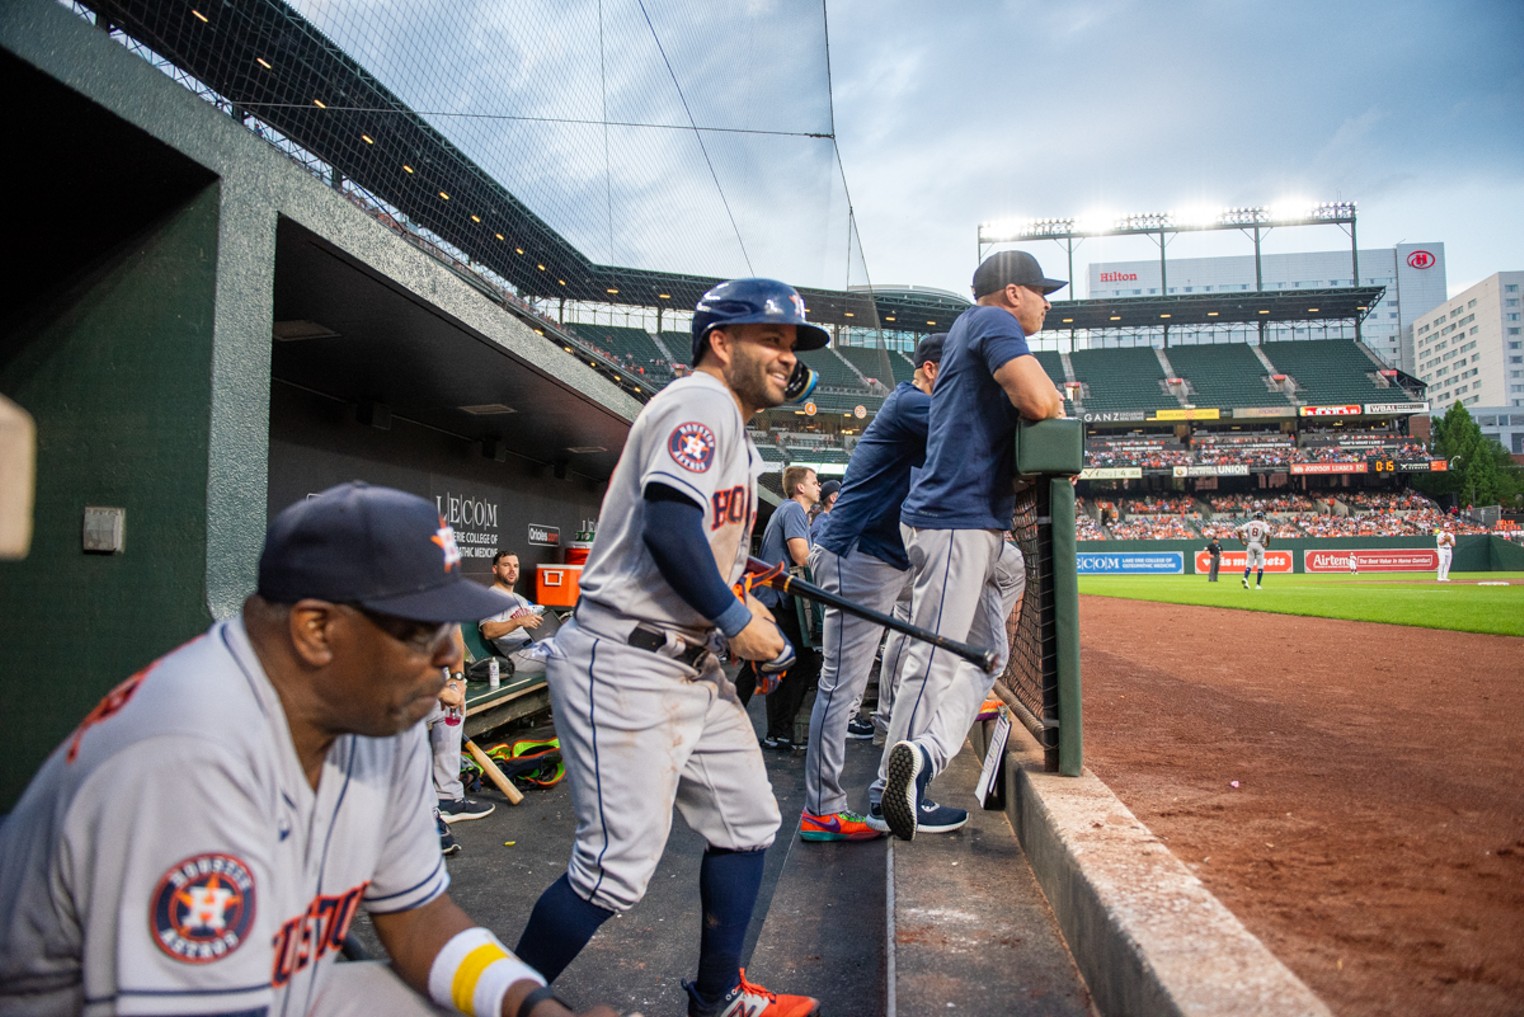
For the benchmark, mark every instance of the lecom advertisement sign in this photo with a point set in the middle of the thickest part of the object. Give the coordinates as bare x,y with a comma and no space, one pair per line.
1234,561
1402,559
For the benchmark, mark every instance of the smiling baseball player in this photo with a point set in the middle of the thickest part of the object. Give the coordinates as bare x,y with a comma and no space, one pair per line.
202,842
647,719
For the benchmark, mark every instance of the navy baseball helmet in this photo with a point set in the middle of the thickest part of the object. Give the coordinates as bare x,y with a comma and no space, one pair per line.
1259,515
754,302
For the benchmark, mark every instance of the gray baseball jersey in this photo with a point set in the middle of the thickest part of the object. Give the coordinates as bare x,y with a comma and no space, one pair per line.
171,857
691,438
641,731
1254,533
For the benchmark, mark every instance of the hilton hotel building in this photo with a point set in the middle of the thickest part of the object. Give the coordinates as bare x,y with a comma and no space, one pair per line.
1413,274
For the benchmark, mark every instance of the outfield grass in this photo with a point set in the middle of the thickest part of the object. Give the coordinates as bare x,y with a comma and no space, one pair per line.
1395,598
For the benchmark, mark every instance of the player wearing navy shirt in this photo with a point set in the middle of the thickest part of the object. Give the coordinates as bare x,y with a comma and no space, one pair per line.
966,576
861,557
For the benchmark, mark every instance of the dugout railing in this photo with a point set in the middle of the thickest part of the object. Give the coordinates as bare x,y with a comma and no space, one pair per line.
1040,684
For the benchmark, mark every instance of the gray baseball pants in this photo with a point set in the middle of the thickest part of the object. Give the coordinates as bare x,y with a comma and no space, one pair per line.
966,582
849,644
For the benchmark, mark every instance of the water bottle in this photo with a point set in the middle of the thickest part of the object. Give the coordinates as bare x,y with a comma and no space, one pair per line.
493,678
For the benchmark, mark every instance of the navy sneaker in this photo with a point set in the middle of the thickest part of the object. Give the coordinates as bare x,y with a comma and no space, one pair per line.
934,818
909,770
875,817
463,808
778,743
859,729
448,845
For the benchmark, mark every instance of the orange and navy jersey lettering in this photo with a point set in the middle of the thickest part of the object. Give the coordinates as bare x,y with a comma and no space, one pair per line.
305,939
731,505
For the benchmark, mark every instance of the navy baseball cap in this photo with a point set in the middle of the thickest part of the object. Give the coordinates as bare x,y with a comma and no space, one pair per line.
1002,269
929,349
829,488
377,547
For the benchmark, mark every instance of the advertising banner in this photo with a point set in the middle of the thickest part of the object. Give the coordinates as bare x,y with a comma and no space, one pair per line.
1234,561
1111,473
1329,411
1396,407
472,512
1297,469
1266,412
1132,563
1183,414
1113,417
1402,559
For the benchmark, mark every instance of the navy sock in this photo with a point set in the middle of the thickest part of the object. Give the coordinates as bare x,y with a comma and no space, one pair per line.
728,885
1259,577
559,927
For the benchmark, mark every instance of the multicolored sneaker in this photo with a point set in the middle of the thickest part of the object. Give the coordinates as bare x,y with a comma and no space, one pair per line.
748,1000
842,825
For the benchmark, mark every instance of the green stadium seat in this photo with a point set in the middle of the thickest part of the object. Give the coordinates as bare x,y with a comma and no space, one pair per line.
1330,371
1122,379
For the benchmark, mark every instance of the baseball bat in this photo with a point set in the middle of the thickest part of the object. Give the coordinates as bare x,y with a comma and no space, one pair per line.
489,767
759,571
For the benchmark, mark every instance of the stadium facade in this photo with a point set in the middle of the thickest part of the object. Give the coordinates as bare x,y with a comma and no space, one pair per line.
1470,349
1413,276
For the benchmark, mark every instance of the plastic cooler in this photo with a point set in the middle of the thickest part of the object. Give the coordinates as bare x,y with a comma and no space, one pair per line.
557,585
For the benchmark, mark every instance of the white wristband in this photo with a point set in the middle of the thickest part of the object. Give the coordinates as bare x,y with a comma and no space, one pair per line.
473,971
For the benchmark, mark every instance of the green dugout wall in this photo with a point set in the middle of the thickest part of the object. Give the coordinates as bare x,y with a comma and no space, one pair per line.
154,244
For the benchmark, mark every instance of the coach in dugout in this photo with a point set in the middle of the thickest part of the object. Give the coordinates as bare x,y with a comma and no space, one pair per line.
203,840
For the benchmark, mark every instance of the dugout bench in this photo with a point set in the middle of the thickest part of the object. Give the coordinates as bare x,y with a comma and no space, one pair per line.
488,708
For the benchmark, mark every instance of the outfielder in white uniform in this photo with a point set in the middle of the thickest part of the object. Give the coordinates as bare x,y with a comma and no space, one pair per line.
202,842
1255,535
1444,539
646,717
967,577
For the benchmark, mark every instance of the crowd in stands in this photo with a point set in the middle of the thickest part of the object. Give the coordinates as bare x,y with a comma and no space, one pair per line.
1262,449
1156,504
1243,505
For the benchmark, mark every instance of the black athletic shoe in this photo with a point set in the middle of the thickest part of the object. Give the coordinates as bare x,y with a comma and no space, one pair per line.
859,729
778,743
462,809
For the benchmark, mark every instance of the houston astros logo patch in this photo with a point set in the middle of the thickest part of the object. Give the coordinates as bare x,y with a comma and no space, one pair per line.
203,908
691,445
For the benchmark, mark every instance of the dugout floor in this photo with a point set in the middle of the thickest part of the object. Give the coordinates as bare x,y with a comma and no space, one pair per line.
973,932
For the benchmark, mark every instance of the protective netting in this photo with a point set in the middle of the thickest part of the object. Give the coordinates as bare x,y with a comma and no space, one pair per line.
597,159
1030,676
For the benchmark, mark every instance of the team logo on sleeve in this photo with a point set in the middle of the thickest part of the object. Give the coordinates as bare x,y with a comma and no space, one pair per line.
203,908
445,538
691,446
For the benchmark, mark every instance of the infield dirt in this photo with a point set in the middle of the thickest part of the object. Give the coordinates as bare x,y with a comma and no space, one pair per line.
1350,790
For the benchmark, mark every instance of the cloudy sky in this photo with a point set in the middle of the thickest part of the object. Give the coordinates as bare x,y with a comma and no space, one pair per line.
956,113
695,135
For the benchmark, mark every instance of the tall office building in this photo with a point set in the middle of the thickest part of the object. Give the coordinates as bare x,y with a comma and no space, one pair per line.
1413,274
1471,349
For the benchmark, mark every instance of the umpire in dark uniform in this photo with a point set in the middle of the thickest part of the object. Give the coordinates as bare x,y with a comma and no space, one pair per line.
1214,549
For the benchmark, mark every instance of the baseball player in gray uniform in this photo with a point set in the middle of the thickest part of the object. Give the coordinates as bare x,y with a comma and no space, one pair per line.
203,840
1255,535
967,576
861,557
647,718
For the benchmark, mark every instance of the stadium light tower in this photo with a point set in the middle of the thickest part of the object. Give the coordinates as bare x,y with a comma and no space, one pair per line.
1255,220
